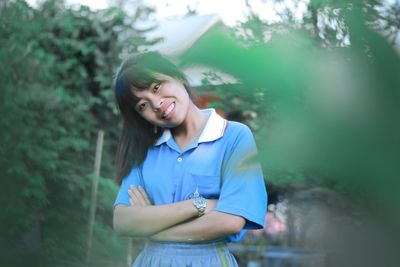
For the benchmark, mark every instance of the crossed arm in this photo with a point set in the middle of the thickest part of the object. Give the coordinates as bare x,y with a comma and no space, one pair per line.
177,222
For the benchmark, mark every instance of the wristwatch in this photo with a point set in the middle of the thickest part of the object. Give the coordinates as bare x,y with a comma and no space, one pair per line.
199,202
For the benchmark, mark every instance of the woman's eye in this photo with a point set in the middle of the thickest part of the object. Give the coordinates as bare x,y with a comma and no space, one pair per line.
156,87
141,106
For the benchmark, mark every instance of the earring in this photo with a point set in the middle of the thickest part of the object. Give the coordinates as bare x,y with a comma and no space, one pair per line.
155,129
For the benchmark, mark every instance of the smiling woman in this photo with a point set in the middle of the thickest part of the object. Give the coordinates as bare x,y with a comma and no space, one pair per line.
184,183
161,102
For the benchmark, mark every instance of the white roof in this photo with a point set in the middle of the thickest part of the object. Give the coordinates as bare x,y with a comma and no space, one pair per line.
180,33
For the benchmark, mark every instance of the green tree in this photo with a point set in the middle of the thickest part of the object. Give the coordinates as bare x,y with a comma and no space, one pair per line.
56,76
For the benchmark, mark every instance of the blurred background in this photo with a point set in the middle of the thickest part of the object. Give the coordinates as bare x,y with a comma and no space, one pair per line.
317,81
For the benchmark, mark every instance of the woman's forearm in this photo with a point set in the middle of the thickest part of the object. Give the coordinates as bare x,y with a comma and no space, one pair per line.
208,227
148,220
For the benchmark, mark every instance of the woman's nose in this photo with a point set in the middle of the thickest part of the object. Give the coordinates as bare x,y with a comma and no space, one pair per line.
157,103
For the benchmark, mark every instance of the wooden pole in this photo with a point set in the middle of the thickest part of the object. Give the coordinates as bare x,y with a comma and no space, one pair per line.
93,198
129,254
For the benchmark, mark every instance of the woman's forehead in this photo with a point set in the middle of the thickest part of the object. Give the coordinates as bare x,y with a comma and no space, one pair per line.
155,78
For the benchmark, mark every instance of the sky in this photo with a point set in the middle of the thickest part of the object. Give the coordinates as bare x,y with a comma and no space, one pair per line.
230,11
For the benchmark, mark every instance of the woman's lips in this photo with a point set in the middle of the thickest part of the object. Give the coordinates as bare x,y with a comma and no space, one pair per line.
168,111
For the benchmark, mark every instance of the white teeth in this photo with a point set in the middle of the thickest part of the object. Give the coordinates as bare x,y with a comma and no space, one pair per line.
169,109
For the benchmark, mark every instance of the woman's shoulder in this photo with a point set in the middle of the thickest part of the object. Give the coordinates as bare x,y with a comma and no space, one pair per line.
235,128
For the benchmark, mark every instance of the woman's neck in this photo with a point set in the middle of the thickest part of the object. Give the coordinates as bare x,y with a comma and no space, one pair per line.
191,127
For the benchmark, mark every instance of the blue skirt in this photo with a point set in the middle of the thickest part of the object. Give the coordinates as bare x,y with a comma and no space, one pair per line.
157,254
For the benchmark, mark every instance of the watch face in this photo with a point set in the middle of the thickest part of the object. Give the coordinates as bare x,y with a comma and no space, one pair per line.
201,202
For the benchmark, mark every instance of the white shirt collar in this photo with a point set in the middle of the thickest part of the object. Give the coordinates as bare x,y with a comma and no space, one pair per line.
213,130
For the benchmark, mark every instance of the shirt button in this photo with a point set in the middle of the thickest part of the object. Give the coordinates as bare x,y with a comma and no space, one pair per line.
179,159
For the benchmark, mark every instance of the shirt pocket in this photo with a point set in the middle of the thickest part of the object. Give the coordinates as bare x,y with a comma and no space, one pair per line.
208,185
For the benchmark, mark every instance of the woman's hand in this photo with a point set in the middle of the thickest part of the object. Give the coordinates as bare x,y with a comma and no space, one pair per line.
211,203
138,197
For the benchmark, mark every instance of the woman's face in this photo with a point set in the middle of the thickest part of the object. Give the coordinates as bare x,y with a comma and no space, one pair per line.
164,104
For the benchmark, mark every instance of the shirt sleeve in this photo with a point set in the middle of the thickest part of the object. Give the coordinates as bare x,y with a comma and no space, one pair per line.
243,191
132,179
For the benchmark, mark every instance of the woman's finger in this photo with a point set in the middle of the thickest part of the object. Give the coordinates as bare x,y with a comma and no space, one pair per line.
138,196
144,195
133,196
130,193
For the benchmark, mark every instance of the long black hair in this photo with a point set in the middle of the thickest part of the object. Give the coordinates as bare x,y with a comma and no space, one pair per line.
138,72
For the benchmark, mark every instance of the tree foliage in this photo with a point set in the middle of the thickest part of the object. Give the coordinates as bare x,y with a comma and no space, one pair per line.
56,78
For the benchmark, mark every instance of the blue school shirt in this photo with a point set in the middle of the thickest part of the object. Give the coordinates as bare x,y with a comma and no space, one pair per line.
222,164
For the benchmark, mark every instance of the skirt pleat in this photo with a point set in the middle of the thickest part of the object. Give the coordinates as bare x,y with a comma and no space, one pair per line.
164,254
